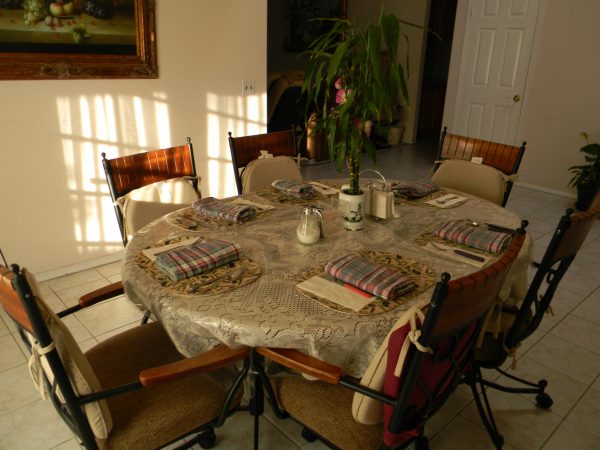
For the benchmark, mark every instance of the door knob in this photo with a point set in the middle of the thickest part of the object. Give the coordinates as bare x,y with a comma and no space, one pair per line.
516,98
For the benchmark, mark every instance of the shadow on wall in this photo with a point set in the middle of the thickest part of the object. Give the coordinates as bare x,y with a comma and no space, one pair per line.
123,125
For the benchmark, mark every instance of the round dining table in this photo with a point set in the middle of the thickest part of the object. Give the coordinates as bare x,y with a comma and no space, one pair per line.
261,305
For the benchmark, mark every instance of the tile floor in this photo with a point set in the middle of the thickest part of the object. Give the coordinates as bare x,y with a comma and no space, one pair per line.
565,350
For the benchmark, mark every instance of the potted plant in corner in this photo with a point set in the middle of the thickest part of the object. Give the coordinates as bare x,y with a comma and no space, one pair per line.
353,79
586,177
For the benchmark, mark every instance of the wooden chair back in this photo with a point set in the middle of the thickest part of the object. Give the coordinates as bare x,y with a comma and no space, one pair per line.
247,148
126,173
11,301
505,158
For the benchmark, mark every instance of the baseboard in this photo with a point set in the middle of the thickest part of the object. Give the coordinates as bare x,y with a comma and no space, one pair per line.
547,190
78,267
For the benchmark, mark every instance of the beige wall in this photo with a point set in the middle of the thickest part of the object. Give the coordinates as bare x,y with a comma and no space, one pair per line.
561,97
56,205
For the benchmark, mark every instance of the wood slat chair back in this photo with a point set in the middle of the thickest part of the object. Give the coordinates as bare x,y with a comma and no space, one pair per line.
247,148
126,173
505,158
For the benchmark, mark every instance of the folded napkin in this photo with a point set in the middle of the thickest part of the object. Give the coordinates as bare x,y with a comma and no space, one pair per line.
414,189
152,252
294,188
244,201
216,209
472,236
334,292
369,276
184,262
323,188
446,201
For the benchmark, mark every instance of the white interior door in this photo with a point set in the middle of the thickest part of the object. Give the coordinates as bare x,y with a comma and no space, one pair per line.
493,70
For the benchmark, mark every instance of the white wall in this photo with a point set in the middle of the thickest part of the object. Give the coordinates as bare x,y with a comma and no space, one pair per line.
561,97
57,210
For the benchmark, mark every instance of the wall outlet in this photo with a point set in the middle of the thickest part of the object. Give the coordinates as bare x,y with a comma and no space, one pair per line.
248,88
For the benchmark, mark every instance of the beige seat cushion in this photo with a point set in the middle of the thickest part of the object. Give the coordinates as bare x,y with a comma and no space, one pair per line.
326,409
153,417
146,204
367,410
476,179
260,173
78,368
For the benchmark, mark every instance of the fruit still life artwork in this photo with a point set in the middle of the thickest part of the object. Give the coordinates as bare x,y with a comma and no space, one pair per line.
36,25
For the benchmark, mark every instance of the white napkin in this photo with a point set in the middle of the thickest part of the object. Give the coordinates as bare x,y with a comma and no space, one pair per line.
445,201
153,252
323,188
334,292
448,252
244,201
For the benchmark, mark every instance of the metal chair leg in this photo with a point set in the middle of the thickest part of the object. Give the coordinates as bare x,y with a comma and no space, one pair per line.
474,379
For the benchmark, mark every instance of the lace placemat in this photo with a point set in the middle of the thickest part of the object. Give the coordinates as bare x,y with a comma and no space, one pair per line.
422,202
217,281
422,275
187,219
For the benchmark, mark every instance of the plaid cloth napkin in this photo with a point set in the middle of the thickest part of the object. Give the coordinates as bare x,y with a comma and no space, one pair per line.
414,189
216,209
294,188
371,277
184,262
476,237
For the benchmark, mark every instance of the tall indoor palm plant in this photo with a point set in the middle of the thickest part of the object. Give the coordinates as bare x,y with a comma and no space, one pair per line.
353,79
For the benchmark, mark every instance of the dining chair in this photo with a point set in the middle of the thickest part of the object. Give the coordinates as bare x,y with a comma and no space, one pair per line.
115,395
511,325
504,158
419,364
252,173
145,186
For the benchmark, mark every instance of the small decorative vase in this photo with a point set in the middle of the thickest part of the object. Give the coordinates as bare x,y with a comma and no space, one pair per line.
352,208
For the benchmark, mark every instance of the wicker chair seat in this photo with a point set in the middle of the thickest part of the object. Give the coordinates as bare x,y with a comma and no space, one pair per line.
326,409
153,417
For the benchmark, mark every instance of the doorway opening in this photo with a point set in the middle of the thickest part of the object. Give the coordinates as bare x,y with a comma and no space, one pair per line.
435,69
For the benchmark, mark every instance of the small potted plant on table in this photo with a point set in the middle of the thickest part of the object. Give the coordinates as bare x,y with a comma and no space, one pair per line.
353,79
586,177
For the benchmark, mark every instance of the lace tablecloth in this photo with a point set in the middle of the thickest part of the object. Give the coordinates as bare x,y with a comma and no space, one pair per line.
270,311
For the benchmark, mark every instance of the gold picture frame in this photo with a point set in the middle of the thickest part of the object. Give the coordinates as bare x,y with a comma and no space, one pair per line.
80,46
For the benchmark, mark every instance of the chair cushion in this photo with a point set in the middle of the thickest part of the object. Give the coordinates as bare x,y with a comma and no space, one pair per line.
365,409
476,179
326,410
143,205
260,173
81,373
153,417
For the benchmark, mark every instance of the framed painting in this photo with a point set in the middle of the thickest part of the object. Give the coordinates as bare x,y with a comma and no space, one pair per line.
300,29
75,39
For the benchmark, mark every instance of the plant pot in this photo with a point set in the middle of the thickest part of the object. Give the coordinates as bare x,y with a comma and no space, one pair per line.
352,207
585,196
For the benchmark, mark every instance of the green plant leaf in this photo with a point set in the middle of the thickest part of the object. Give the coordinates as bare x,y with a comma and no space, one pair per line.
391,32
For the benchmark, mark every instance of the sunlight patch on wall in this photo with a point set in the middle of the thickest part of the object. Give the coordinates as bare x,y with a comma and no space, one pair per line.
240,115
118,126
